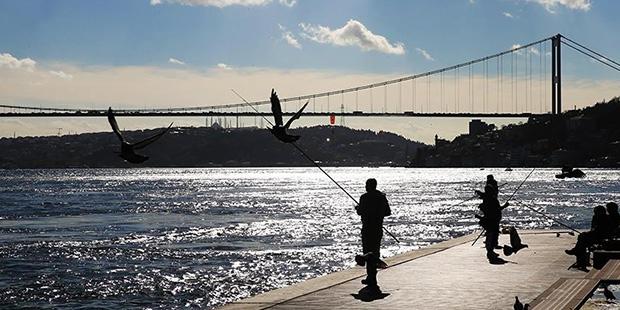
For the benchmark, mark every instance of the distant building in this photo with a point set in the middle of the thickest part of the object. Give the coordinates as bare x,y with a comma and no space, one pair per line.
216,126
440,142
478,127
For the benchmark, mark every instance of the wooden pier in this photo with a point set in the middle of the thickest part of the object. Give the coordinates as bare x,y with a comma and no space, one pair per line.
448,275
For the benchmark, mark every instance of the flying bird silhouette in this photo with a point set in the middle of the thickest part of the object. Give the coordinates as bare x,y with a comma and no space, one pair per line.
608,294
515,243
279,130
127,149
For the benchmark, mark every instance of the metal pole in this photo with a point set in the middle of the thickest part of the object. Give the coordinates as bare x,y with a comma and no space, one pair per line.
554,45
559,73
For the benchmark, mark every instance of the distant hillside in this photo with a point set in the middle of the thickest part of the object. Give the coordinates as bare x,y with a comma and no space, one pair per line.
209,147
582,138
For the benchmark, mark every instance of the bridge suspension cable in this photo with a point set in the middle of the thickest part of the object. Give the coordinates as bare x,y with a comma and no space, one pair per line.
513,88
329,94
589,52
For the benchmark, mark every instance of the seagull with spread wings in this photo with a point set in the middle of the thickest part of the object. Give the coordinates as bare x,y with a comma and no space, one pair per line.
127,149
279,130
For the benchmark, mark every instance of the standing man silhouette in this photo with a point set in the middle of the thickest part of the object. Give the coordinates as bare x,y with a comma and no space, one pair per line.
373,207
492,215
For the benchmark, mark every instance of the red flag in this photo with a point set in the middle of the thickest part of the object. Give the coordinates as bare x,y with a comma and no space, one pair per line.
332,119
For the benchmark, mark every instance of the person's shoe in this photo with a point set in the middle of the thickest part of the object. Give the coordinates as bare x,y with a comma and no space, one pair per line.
571,251
496,261
359,260
492,255
580,267
364,281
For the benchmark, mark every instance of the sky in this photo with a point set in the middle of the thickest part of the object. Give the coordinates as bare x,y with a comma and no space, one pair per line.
175,53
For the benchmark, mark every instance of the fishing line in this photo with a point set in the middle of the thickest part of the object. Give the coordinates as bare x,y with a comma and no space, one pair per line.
315,164
550,218
509,198
518,187
472,197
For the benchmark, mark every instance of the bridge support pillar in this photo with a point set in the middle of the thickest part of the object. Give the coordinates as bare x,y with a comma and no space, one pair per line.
556,74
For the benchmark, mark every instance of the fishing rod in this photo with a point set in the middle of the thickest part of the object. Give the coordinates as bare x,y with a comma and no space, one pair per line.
518,187
315,164
550,218
472,197
509,198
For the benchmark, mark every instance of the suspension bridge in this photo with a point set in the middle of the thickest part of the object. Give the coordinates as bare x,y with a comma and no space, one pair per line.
523,81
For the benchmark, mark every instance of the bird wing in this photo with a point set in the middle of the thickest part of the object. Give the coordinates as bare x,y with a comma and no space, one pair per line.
276,109
296,116
151,139
114,124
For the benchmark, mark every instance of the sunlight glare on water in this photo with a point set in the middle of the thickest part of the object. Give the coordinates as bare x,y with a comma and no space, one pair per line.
174,238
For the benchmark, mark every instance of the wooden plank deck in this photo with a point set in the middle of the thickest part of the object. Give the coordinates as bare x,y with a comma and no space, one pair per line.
610,272
566,294
447,275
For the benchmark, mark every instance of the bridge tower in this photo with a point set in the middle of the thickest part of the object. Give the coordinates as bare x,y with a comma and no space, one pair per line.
556,75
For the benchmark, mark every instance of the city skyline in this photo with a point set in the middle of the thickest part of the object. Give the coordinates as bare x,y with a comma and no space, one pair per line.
187,52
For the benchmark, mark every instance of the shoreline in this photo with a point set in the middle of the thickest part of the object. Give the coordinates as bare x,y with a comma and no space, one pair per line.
441,276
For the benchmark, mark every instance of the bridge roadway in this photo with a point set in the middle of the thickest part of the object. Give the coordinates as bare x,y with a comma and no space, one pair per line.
448,275
121,113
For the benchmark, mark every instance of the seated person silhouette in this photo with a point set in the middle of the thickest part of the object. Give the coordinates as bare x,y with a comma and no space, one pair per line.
614,219
600,229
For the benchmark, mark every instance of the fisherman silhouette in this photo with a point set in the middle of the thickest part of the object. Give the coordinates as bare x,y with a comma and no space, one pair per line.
279,130
491,216
127,149
373,207
600,229
515,243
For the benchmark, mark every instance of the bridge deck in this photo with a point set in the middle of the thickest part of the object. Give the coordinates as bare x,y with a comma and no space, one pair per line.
448,275
266,114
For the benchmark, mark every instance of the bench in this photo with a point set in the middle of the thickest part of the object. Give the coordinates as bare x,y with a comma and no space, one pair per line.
572,293
565,293
609,273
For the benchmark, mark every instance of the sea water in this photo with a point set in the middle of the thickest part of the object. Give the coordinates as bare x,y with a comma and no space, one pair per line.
176,238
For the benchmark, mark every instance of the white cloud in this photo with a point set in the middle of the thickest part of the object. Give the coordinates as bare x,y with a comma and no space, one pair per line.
289,37
424,53
353,33
507,14
223,66
531,49
551,5
61,74
8,61
288,3
224,3
175,61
